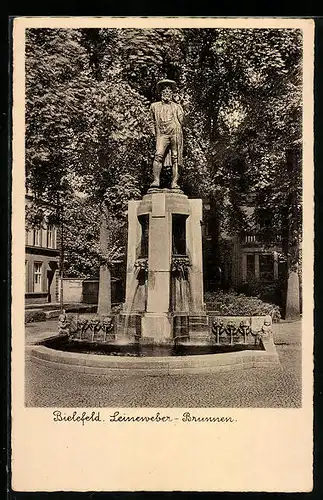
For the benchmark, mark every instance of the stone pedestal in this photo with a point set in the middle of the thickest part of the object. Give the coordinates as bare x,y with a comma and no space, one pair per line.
194,251
158,308
180,295
159,255
156,326
133,251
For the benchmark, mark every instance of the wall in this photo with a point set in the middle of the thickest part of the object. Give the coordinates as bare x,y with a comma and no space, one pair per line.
79,290
48,260
41,248
90,291
72,290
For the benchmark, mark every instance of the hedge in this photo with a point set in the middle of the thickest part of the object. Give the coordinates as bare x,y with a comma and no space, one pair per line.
31,316
237,304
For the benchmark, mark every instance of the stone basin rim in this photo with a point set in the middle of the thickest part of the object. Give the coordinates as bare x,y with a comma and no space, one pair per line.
150,365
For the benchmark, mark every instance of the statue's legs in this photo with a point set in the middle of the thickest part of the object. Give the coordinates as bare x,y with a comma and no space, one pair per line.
161,146
163,141
157,166
174,184
173,144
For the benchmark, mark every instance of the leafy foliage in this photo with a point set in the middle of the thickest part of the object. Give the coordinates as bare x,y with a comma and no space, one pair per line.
83,253
88,93
34,316
57,106
235,304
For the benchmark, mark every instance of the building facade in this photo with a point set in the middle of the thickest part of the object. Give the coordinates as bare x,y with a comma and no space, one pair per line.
254,260
250,262
41,261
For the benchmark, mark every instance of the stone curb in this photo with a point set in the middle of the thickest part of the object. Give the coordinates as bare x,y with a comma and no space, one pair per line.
105,365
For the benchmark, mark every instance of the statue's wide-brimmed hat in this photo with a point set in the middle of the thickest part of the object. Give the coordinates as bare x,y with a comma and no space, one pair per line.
165,83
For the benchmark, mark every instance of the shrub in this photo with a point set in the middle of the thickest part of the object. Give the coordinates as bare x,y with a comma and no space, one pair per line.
267,292
31,316
238,304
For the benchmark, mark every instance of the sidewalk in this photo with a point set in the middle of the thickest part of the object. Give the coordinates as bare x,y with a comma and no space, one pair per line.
38,331
257,388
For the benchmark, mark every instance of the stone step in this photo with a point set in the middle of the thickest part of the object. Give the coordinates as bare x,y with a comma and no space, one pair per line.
198,320
199,335
199,338
180,325
198,326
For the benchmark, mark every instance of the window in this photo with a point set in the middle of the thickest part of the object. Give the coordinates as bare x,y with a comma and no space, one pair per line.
29,237
144,222
50,237
179,234
37,278
250,266
37,237
266,231
26,276
266,267
250,238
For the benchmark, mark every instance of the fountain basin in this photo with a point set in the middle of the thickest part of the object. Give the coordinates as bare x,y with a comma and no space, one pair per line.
138,349
151,366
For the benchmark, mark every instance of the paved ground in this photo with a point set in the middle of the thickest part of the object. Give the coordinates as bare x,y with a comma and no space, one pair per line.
35,332
256,387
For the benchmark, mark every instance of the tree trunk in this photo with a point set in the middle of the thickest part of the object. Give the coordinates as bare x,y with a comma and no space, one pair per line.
104,301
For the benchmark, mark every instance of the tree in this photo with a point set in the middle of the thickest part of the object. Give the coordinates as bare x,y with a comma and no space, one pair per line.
58,106
76,121
88,95
249,100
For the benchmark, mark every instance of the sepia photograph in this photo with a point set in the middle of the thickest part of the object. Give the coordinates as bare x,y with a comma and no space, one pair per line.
163,217
163,180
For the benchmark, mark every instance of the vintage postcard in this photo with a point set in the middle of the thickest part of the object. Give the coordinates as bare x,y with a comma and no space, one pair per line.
162,254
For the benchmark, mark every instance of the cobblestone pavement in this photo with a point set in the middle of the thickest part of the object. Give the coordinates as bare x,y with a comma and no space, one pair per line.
35,332
256,387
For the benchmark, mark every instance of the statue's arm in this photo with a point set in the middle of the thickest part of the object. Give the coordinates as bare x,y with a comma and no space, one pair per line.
152,120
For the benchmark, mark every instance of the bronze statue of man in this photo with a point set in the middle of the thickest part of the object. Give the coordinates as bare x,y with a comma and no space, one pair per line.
167,119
